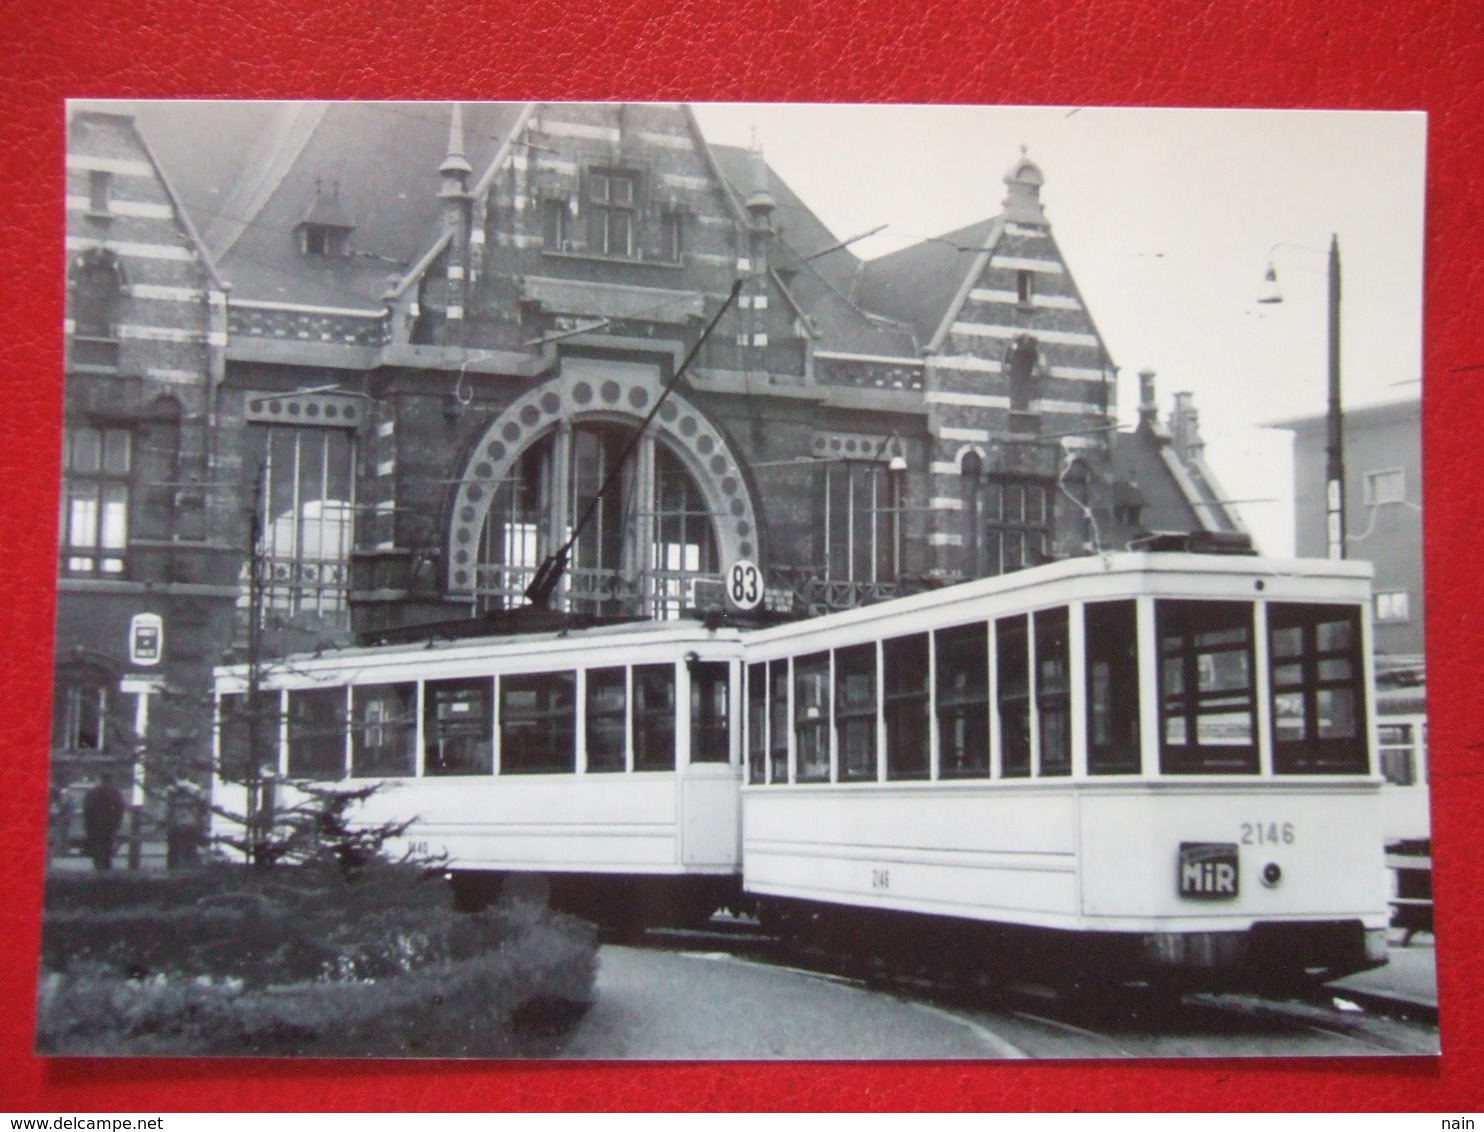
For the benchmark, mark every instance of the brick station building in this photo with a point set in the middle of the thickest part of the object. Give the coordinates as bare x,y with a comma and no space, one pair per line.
411,341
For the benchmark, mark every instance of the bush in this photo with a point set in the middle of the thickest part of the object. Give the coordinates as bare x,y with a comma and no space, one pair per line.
297,962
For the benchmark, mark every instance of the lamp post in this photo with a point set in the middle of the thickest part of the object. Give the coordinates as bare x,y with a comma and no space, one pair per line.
1334,473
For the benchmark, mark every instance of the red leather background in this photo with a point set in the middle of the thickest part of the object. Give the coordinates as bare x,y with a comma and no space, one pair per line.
1408,54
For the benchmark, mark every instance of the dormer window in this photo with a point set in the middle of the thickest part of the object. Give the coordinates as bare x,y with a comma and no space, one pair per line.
325,229
322,239
613,196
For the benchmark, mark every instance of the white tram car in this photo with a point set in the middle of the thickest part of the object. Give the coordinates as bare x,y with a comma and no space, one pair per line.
1138,765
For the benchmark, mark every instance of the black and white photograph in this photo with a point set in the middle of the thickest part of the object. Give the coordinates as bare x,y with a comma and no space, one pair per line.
739,581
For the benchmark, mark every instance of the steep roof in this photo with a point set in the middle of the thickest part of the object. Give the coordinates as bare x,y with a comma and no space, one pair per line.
820,285
247,197
919,283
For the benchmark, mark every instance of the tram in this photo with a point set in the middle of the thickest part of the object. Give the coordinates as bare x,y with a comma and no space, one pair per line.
1140,765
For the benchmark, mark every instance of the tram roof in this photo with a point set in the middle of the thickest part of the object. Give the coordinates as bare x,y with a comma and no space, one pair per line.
690,629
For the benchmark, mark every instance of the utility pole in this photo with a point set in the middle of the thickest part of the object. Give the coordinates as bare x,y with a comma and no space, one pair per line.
1335,449
258,815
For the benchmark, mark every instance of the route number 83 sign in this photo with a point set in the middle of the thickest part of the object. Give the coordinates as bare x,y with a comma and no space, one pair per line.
745,585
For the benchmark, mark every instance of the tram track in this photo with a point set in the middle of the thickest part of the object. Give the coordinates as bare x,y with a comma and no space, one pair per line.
1036,1021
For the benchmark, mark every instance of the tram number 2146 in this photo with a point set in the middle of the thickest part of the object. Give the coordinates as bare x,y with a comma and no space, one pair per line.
1267,833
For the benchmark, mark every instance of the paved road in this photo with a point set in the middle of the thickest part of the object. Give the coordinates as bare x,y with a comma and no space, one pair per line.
654,1003
698,1005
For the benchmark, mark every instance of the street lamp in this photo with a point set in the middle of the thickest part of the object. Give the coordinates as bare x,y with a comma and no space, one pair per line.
1335,446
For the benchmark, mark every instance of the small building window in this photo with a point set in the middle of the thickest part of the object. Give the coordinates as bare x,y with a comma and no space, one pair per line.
672,236
812,717
861,528
904,670
612,202
383,737
556,225
1017,518
654,717
95,500
100,190
97,292
80,709
963,701
607,719
855,712
317,733
458,733
1025,288
1392,606
1398,753
1389,486
538,723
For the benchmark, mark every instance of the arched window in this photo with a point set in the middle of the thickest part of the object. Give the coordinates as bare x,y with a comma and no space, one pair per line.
649,538
1020,364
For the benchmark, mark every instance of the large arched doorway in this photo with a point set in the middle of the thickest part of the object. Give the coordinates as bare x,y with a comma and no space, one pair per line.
649,539
674,516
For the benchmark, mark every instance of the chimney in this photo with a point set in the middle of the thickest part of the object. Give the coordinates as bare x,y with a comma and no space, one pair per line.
1148,407
1185,428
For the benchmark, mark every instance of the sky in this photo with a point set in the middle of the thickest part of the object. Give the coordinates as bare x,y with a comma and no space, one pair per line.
1168,220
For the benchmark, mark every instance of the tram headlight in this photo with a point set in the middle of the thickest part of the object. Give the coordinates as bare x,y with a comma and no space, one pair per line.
1271,875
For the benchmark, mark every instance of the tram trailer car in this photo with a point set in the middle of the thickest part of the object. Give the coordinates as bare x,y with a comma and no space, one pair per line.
1140,767
603,760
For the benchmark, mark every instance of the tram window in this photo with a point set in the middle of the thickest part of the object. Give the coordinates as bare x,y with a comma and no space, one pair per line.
1112,687
607,718
1053,692
1207,700
1012,667
236,736
710,730
317,733
383,738
458,728
963,702
904,664
1318,703
757,723
1398,763
778,721
538,723
654,717
812,717
855,712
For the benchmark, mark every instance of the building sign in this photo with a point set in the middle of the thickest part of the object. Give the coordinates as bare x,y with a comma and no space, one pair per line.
146,639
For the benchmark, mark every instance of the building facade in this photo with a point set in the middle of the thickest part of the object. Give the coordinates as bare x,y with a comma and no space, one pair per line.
417,348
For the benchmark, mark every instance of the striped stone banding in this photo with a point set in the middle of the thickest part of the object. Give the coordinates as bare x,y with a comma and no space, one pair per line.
136,209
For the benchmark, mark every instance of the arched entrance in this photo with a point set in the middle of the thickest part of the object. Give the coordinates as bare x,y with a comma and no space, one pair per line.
675,515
